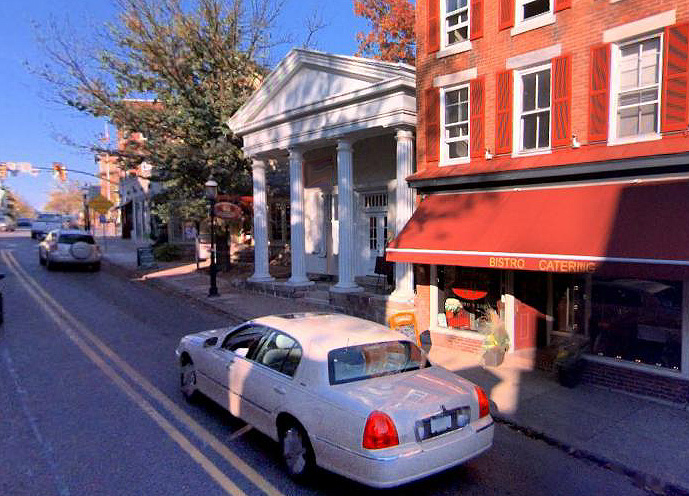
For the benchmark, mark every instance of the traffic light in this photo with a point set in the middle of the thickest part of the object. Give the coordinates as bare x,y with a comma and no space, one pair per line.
59,171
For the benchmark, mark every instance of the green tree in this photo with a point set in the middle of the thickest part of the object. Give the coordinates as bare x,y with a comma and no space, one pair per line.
174,71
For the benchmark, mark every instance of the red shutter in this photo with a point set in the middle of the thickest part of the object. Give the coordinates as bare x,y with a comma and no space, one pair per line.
503,112
478,118
476,19
506,16
561,101
675,78
599,93
432,115
433,25
562,5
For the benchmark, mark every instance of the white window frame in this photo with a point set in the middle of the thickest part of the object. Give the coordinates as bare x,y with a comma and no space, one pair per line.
517,127
521,25
444,31
613,139
444,155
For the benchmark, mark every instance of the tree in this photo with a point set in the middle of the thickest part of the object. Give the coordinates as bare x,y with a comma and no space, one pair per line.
392,35
66,199
194,64
19,207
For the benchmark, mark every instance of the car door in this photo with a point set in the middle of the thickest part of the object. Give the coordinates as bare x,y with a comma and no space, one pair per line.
264,382
220,359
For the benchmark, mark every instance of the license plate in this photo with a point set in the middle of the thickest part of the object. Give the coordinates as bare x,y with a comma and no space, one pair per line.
441,424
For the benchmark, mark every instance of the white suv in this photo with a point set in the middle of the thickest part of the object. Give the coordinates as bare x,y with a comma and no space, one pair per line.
69,246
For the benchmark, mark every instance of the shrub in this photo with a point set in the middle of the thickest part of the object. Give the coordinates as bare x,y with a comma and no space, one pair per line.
167,252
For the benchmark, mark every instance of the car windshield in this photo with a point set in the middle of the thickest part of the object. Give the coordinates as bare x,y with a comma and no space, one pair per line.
355,363
70,239
48,217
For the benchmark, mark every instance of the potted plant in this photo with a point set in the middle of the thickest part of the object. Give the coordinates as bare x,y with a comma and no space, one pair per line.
568,362
496,341
455,314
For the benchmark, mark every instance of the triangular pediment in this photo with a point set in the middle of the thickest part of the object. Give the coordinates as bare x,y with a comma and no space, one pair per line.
304,79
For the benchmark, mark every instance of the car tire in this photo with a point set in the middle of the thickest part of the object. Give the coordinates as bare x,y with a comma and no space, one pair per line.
187,380
296,452
48,264
41,260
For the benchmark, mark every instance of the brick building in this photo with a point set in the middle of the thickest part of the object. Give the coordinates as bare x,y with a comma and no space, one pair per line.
553,181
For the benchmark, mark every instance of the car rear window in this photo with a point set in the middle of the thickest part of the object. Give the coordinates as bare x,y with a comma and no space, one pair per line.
355,363
70,239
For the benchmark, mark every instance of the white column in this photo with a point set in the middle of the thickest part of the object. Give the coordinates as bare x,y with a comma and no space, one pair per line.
404,207
345,211
296,219
261,273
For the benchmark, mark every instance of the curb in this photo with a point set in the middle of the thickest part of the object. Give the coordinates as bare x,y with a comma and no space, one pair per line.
643,480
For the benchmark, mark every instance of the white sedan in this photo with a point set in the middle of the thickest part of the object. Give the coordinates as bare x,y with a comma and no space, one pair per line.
346,394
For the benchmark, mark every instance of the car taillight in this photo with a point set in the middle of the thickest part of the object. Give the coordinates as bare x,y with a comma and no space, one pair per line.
380,431
483,403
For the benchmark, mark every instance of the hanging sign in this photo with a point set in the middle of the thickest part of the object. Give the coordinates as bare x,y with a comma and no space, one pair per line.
227,210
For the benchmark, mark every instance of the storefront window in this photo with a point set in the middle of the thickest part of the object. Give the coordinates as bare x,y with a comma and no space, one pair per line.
465,295
637,320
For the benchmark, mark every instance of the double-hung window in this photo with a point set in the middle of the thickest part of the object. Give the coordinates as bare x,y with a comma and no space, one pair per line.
455,125
455,21
636,66
528,9
533,105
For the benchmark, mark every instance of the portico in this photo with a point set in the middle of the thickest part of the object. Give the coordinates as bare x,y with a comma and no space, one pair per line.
344,128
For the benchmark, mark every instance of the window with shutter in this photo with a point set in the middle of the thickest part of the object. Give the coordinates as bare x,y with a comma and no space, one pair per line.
455,15
455,125
506,14
562,91
432,124
503,109
599,93
433,26
676,78
477,100
532,87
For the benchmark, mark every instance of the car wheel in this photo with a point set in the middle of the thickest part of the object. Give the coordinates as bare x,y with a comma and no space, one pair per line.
297,453
41,260
187,379
48,264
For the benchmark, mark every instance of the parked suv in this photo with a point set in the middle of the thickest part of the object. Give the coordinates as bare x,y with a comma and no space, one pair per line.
69,246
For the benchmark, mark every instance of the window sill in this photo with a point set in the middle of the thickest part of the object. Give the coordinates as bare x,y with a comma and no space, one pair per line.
531,24
448,163
635,139
475,335
531,153
462,47
641,367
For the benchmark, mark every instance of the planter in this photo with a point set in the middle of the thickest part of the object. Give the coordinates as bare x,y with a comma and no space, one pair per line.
493,357
459,320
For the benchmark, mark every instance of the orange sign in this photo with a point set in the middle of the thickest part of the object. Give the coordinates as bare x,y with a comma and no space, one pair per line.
227,210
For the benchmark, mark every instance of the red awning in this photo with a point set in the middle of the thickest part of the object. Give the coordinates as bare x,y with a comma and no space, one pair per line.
583,228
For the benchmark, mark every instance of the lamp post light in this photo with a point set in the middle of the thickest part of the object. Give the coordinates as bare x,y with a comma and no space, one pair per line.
211,188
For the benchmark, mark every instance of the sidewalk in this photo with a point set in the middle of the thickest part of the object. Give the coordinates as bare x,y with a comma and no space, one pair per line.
644,439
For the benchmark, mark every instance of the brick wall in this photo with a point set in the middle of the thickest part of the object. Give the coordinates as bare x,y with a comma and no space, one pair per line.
577,29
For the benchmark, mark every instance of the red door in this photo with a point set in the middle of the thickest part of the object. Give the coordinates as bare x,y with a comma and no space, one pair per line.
530,289
526,324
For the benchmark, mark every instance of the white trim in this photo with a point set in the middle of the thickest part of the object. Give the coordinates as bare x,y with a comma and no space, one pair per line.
549,256
433,295
455,78
517,100
534,57
444,159
635,139
684,367
443,25
533,23
462,47
639,367
636,28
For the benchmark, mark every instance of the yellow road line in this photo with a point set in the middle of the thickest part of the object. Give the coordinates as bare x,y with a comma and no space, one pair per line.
61,314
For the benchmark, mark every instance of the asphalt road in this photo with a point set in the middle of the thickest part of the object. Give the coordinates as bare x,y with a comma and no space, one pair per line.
89,405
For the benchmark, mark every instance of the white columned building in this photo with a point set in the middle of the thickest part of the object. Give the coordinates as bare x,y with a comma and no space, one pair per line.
296,183
343,128
404,277
261,273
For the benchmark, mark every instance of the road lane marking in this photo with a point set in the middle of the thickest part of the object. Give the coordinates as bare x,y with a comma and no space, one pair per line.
46,448
72,327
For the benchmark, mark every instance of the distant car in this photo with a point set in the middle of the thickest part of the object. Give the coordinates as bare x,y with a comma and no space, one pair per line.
69,246
343,393
44,223
23,222
7,224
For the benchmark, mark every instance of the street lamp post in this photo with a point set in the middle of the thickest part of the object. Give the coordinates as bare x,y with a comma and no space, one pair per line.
211,188
87,220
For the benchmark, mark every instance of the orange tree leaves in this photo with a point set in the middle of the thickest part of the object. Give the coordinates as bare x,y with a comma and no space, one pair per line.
392,34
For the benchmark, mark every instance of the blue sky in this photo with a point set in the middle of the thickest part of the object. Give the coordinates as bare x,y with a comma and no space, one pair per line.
29,123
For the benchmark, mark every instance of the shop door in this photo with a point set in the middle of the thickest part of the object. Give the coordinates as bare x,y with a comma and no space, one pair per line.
530,290
376,234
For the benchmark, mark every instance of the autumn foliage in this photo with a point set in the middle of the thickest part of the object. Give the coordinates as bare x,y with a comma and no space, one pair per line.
392,34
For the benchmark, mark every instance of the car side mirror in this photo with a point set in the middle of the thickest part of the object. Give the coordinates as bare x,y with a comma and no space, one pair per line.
210,342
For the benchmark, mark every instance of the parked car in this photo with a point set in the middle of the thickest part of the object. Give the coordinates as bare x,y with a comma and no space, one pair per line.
45,223
23,222
7,224
342,393
69,246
